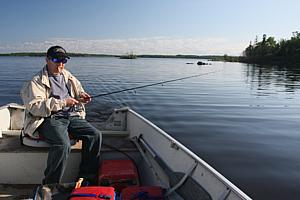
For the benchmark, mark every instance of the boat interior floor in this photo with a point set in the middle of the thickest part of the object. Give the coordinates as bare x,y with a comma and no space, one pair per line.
17,191
14,158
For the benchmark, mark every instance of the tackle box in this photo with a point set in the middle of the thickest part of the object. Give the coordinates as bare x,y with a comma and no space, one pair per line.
118,174
92,193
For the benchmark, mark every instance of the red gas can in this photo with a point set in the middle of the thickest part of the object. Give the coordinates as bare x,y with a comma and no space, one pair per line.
92,193
118,174
142,192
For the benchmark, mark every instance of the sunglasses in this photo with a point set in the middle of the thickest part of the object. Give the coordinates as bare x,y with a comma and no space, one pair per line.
57,60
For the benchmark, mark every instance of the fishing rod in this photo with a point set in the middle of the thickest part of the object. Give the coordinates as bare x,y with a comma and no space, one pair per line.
152,84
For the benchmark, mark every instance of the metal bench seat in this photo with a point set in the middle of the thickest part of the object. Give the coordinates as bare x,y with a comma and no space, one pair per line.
27,140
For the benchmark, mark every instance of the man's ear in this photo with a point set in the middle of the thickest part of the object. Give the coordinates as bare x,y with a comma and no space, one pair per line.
47,60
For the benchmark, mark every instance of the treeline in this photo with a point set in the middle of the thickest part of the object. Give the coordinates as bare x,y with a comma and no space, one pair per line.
24,54
269,51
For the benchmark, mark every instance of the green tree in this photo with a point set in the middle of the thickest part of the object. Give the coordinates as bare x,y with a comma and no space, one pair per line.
268,50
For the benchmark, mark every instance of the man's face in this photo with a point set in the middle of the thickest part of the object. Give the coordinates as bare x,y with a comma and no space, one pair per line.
55,67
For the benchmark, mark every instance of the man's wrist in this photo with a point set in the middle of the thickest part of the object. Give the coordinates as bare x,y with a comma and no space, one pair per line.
63,103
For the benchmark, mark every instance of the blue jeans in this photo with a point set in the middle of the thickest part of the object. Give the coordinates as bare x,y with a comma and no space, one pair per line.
55,130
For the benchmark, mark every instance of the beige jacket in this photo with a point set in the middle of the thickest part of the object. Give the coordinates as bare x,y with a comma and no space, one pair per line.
36,97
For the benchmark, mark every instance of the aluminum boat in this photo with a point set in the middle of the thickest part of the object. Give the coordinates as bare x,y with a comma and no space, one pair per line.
161,160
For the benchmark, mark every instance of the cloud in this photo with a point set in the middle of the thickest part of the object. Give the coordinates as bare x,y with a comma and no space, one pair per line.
151,45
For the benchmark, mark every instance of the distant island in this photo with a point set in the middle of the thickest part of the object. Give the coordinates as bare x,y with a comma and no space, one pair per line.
129,56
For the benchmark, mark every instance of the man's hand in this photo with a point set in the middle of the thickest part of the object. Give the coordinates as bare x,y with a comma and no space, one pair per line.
85,97
71,102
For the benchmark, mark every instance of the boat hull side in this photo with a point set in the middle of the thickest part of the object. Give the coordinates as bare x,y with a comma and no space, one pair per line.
180,159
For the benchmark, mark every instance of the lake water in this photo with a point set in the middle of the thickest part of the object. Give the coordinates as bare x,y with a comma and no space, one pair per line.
241,119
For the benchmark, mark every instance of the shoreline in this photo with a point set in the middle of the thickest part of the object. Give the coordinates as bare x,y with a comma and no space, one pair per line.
223,58
33,54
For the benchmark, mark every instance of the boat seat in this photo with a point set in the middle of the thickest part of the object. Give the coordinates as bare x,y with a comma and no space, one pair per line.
27,140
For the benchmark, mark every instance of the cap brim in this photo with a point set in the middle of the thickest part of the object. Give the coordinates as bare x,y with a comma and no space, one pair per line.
60,55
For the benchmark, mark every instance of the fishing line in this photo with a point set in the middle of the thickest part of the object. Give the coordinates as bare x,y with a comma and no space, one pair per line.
152,84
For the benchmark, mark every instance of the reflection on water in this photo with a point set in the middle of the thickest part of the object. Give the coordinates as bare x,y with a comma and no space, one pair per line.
242,119
263,77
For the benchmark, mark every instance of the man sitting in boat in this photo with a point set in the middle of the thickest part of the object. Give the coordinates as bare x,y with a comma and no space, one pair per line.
54,101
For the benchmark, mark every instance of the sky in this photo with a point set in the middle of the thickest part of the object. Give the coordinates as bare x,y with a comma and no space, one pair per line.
198,27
